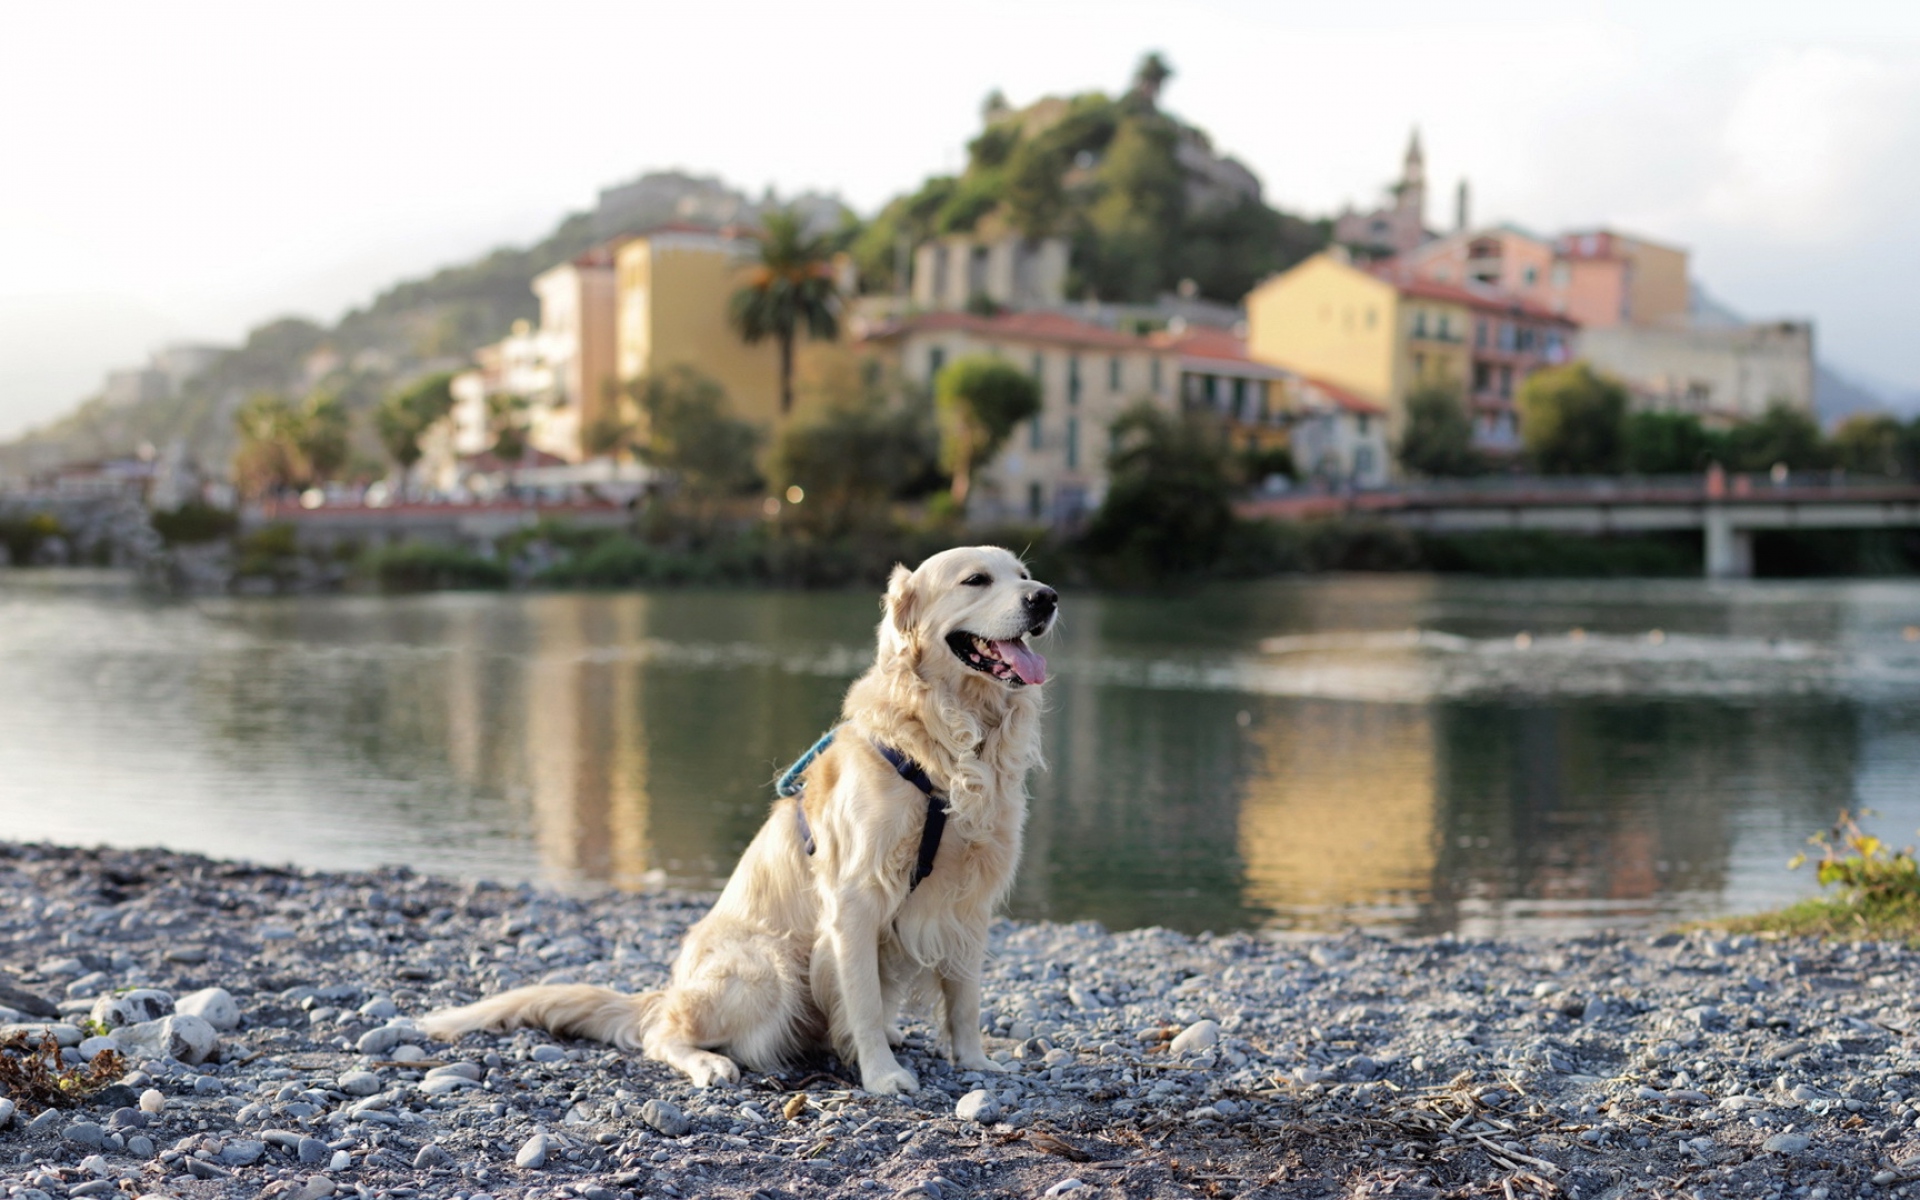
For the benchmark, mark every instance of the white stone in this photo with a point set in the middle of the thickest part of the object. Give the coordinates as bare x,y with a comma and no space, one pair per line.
6,1113
1201,1035
95,1045
1786,1143
360,1083
187,1038
533,1154
152,1102
978,1105
131,1008
213,1005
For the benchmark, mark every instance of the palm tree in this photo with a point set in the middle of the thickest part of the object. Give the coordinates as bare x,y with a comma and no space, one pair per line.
791,287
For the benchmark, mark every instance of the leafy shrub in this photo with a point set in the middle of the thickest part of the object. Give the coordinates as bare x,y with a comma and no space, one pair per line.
425,566
195,522
23,536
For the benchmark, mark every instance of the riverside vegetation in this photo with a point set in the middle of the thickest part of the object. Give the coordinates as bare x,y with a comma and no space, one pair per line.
266,1018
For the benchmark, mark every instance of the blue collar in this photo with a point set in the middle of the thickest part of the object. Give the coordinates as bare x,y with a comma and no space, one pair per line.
791,784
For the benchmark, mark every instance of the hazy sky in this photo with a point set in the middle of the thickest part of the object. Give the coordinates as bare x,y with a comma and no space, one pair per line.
191,169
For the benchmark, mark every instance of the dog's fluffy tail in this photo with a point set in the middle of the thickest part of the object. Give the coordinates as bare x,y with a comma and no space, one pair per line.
569,1010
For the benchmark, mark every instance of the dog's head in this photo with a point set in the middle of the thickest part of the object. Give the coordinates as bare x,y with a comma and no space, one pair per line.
970,612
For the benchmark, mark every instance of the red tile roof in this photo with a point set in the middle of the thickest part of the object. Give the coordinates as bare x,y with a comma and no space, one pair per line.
1203,347
1352,402
1049,327
1483,299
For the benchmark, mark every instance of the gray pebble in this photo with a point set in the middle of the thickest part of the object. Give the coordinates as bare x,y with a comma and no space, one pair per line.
242,1153
140,1146
548,1054
666,1118
533,1153
312,1151
360,1083
85,1133
1786,1143
979,1105
431,1155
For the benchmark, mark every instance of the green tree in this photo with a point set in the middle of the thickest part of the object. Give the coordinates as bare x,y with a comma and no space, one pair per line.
980,398
1782,434
1665,443
1572,419
1169,504
790,290
507,421
1438,438
854,458
284,446
404,415
691,433
1873,444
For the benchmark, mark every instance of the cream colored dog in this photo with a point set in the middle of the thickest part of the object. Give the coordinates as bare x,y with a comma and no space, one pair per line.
821,945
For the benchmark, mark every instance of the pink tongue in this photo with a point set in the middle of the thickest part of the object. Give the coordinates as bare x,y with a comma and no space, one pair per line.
1030,667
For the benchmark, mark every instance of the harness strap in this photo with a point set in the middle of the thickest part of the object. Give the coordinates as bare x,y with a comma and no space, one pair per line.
791,785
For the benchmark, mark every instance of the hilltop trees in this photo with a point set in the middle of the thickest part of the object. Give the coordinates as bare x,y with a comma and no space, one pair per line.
1114,176
980,399
790,290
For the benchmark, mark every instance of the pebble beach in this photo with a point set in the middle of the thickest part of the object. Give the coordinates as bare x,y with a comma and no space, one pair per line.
264,1022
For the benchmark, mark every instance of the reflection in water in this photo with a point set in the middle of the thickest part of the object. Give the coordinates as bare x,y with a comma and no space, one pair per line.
1388,750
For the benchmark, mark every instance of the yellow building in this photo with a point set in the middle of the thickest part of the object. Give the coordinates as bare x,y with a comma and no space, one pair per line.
1382,332
673,285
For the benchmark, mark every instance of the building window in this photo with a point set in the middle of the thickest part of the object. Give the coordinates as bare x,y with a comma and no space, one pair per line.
1260,397
1239,399
1482,376
1039,366
1156,376
1372,316
1506,382
1445,332
1073,379
1420,323
1419,366
1073,443
1036,500
1531,275
1362,459
936,358
1480,334
1113,373
1360,425
1034,434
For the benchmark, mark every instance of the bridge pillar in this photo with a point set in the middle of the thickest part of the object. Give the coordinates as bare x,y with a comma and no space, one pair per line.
1729,550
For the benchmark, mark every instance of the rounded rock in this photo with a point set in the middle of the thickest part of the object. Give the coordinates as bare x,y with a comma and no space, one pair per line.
432,1155
242,1152
979,1105
152,1102
360,1083
533,1153
666,1118
1199,1036
1786,1143
312,1151
213,1005
85,1133
131,1008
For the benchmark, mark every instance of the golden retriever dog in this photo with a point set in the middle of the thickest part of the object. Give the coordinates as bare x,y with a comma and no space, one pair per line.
826,927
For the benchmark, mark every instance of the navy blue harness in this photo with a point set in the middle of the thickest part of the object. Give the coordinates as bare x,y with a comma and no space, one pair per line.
791,784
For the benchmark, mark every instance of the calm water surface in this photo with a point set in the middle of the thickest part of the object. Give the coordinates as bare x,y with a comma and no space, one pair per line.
1403,751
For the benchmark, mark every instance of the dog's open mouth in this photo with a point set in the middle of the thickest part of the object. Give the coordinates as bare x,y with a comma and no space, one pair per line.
1013,661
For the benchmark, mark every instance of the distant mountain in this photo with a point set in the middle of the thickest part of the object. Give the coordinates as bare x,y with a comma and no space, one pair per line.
419,325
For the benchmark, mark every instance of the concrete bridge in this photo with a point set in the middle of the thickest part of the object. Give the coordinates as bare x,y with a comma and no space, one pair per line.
1728,510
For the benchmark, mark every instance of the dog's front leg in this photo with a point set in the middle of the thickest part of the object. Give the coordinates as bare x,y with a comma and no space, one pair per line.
961,989
853,923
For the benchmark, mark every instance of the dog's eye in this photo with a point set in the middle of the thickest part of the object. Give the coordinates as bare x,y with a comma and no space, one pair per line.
976,580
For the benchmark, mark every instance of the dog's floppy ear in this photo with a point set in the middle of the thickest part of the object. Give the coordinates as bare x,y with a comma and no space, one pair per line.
902,602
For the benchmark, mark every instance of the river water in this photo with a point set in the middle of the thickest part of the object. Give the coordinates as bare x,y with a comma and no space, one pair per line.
1406,752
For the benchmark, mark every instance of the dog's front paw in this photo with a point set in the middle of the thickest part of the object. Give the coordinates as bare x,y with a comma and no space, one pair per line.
980,1062
708,1070
892,1080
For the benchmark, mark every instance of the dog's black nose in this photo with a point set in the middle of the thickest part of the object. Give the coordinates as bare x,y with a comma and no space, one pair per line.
1043,602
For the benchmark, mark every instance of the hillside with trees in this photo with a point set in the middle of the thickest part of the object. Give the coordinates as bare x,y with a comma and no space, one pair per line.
1144,199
